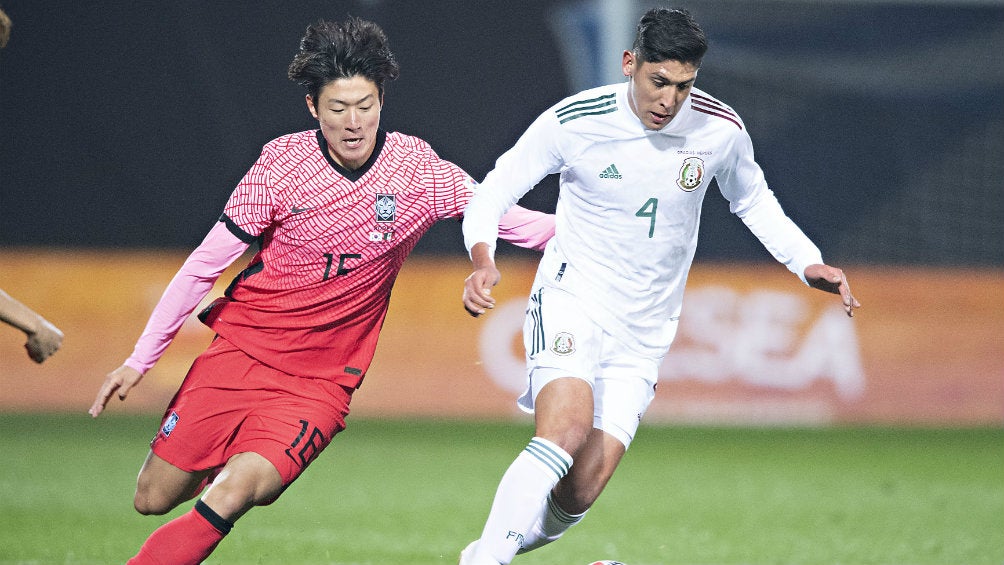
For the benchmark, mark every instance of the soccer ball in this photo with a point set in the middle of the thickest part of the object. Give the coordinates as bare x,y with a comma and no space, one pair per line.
606,563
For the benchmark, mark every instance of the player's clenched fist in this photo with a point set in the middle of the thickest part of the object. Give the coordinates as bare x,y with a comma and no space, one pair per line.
478,285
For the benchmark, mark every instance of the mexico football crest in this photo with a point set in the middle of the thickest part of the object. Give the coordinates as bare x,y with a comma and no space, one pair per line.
564,344
386,208
691,174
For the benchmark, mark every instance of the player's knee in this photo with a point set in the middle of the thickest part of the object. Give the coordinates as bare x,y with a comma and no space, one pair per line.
571,437
564,413
241,490
156,496
149,502
578,437
230,498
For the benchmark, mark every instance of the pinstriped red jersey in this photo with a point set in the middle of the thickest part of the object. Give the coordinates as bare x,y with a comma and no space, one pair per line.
332,241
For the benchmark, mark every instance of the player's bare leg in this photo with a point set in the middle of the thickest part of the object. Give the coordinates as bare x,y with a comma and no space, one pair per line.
246,480
595,463
564,418
577,491
161,486
563,413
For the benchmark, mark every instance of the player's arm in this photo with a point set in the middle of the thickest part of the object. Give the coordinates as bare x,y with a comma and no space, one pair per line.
481,230
526,228
453,189
189,286
750,199
790,246
43,337
492,210
519,226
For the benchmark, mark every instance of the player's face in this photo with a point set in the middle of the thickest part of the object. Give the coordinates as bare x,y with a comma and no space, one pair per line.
348,111
657,90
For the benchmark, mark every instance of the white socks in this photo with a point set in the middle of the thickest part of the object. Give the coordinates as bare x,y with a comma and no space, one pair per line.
519,502
551,524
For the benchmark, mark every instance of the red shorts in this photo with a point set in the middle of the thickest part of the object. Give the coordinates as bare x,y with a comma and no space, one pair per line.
230,403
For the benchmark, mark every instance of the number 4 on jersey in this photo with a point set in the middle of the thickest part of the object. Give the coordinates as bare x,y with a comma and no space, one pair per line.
648,211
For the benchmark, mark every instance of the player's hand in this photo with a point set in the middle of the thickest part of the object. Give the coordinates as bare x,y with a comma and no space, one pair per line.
478,290
832,279
44,341
120,380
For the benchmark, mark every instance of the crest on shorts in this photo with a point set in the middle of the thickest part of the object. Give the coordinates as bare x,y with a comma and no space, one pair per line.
563,344
169,424
386,207
691,174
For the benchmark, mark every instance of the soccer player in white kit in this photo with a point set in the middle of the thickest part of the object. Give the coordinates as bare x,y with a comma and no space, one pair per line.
635,160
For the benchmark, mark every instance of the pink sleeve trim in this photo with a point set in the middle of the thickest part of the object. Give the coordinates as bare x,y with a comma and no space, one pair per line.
526,228
186,290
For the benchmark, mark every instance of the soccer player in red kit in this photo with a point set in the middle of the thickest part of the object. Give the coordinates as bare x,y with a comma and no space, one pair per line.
335,212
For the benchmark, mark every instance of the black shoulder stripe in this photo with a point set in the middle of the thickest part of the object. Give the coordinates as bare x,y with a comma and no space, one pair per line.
237,231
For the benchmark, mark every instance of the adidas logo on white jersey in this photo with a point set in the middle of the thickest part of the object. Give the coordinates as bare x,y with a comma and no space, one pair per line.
611,172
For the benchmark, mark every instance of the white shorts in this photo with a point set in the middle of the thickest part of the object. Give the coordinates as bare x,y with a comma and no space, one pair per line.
562,341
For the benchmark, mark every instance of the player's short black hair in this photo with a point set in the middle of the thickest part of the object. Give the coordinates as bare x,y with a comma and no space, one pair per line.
669,35
334,50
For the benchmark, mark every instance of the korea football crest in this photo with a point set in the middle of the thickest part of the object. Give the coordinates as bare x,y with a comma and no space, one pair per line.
386,208
691,174
169,423
385,212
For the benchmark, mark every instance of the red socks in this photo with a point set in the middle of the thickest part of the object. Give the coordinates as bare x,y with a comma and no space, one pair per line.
188,539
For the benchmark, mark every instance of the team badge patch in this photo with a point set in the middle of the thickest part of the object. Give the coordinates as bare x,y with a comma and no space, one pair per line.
386,207
169,424
563,344
691,174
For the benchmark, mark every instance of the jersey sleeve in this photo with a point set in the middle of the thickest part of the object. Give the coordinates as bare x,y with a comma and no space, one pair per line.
526,228
251,207
535,155
451,187
750,199
189,286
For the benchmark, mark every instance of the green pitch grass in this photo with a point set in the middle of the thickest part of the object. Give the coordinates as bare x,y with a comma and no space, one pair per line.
414,493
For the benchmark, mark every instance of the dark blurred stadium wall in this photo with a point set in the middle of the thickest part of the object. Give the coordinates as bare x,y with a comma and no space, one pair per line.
879,124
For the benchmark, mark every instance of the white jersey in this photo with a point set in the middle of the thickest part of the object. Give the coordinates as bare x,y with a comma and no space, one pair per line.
629,205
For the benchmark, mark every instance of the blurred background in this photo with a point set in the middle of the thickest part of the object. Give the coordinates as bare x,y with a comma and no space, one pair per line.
879,124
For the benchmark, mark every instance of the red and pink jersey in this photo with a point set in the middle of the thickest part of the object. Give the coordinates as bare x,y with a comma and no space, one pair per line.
313,299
